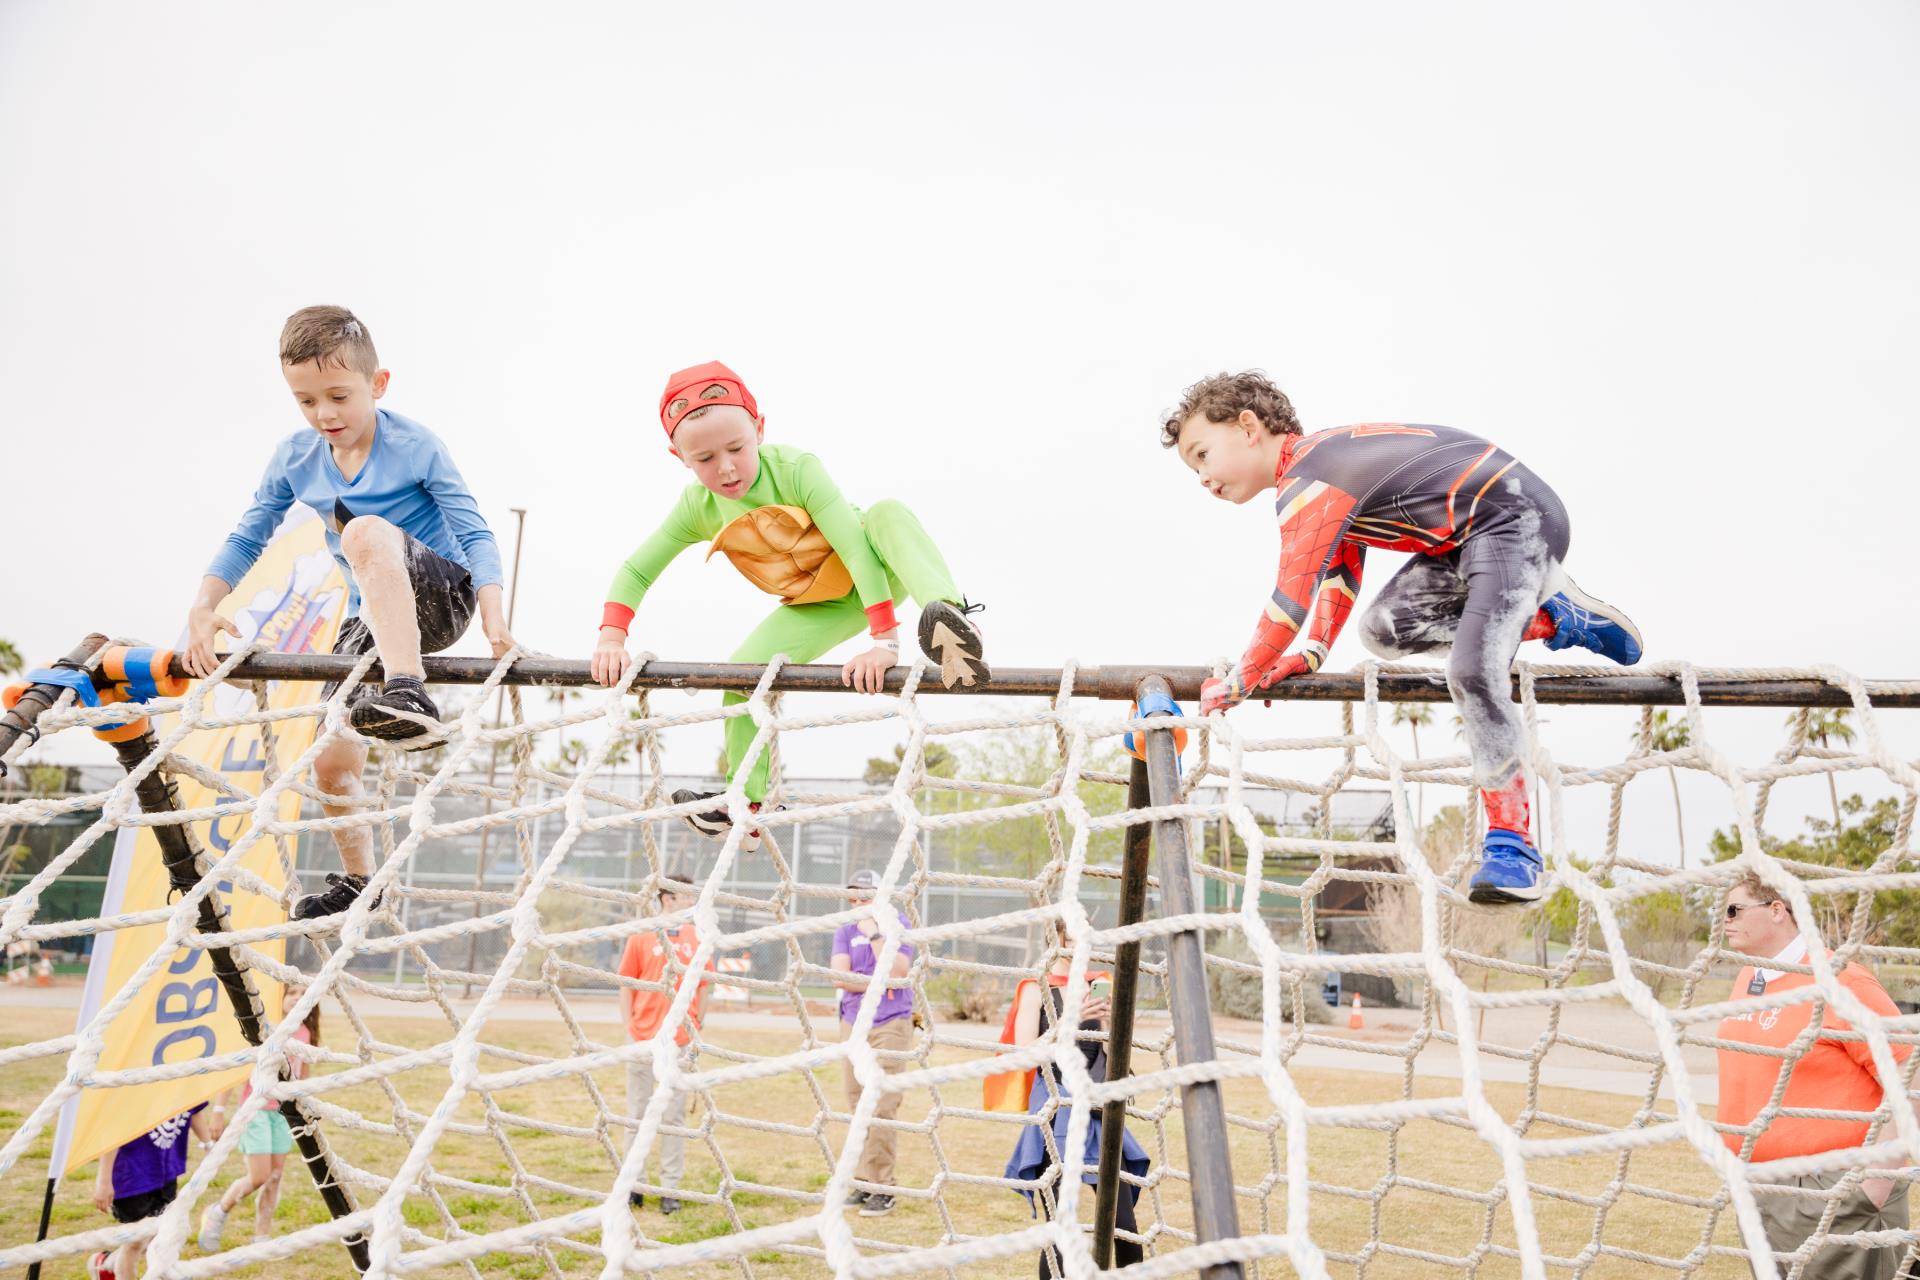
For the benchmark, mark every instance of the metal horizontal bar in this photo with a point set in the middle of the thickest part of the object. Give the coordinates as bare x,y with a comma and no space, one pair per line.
1112,682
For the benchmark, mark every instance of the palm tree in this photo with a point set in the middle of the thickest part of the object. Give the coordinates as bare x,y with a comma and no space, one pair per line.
1669,733
1415,714
10,660
1824,723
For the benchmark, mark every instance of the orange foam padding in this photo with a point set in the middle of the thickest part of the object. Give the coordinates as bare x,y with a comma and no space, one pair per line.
11,695
152,664
122,732
164,680
1136,746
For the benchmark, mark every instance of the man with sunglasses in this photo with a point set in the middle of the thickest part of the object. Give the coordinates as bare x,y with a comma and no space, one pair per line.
1832,1075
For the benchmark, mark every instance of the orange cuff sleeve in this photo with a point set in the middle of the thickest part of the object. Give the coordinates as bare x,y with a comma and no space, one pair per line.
616,615
879,617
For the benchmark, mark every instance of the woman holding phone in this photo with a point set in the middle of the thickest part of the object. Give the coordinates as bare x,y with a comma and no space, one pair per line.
1037,1009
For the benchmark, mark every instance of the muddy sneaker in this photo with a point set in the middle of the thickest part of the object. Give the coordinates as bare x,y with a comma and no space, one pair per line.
341,893
401,710
97,1268
1590,623
855,1199
212,1223
953,642
669,1205
1510,870
714,824
876,1205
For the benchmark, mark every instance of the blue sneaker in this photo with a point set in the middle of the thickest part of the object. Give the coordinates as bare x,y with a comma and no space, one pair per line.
1582,620
1510,870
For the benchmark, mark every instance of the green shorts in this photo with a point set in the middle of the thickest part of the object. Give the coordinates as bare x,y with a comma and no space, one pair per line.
266,1134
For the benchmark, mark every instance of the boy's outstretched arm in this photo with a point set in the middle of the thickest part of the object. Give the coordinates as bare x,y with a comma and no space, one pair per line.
681,529
448,488
236,555
1319,574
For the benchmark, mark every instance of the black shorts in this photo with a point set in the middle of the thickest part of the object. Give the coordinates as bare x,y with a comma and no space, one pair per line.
443,604
147,1204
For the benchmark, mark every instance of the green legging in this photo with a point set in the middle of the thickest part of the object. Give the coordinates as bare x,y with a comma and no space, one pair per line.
805,631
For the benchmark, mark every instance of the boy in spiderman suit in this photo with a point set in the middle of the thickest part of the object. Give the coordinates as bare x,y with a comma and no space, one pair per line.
1490,537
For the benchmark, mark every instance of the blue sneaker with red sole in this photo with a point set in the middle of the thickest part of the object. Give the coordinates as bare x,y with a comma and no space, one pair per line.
1587,622
1510,870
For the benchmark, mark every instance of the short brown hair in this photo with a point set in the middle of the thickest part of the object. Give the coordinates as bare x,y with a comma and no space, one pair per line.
1759,890
328,335
1224,395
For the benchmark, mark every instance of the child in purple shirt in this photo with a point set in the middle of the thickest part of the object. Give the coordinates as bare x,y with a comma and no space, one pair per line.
855,948
139,1179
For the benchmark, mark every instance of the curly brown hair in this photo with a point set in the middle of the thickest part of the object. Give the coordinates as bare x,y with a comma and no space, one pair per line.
1222,397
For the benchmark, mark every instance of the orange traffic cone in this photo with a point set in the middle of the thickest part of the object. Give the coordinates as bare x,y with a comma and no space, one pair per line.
1354,1021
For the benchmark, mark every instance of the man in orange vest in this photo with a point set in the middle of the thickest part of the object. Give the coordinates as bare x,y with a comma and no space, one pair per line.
645,1007
1832,1075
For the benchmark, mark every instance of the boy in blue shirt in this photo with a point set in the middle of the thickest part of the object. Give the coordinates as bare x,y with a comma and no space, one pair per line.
416,553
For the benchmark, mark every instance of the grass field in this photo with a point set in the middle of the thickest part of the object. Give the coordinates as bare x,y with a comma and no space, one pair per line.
1423,1151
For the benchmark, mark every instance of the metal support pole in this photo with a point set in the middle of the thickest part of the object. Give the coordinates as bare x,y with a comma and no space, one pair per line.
1202,1108
493,753
1126,981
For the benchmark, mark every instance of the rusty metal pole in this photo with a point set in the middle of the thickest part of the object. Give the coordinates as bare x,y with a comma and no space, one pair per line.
1202,1106
1126,981
493,753
1115,683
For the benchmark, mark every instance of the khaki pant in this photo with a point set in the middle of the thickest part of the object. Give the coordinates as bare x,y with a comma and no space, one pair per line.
671,1146
876,1158
1789,1220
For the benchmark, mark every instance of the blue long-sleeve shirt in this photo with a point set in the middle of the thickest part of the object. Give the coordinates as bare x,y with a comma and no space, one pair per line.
408,479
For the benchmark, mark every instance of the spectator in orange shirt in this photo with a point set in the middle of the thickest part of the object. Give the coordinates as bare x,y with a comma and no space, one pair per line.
1835,1075
645,960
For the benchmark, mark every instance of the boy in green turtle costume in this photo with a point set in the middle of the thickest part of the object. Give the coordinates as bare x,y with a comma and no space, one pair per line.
777,515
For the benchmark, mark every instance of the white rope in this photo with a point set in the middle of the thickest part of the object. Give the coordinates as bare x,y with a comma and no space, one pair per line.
1280,1196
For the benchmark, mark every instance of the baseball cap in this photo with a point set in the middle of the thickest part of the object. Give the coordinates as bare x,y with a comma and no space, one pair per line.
864,879
703,384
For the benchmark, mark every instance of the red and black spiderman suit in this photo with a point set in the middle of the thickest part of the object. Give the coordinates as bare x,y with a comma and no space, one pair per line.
1489,537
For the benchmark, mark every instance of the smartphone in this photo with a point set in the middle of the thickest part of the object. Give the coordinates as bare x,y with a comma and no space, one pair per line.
1101,989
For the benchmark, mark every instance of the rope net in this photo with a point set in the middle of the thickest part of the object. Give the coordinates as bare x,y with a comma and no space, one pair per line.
473,1117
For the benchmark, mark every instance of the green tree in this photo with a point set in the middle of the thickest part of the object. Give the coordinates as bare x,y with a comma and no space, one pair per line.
43,781
1668,733
1413,715
1852,846
881,771
1019,846
1825,724
11,663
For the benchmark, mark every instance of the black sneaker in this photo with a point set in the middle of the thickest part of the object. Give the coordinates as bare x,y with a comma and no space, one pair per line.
714,824
401,710
876,1205
953,642
637,1200
340,894
669,1205
855,1199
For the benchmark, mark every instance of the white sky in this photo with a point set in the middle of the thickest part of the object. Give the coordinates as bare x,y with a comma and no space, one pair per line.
1662,253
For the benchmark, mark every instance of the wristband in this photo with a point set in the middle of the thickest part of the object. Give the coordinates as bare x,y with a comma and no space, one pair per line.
891,646
616,615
